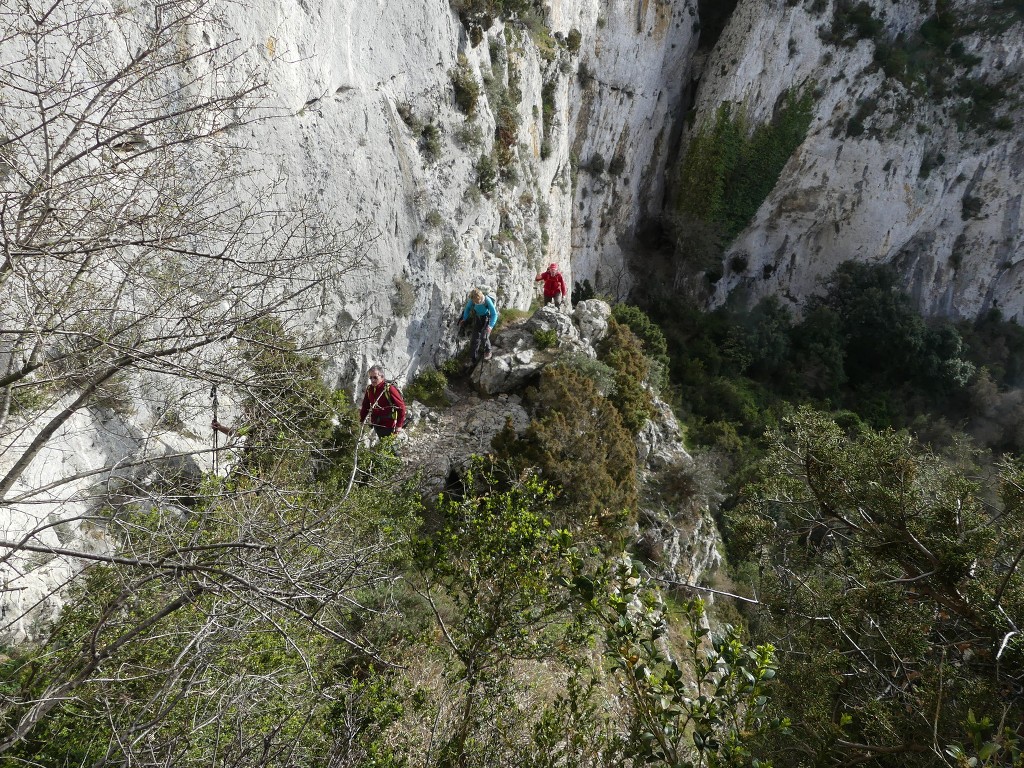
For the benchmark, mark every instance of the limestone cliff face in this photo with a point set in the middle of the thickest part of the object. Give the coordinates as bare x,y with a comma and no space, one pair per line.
597,96
913,184
342,73
626,99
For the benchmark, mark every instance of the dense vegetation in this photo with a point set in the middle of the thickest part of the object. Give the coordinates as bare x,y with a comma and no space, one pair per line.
729,169
874,511
891,572
306,608
859,347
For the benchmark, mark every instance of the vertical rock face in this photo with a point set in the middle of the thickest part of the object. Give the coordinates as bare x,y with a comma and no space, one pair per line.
626,96
600,89
889,172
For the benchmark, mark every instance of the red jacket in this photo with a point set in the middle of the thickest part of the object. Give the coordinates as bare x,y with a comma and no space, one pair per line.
385,405
553,284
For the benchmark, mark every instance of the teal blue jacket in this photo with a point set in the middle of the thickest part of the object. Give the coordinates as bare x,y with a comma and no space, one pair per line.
484,309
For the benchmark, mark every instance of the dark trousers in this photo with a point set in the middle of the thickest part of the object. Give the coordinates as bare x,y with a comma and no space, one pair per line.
383,431
480,338
557,298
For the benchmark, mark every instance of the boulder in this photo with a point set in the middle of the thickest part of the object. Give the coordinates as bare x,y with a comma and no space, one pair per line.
591,316
517,355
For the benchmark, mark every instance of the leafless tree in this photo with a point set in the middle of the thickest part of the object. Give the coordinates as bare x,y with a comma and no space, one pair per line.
141,257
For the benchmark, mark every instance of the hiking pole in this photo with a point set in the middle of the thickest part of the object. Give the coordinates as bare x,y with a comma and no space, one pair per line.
213,396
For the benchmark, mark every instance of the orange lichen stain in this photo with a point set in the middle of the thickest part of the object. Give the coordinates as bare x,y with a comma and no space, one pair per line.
910,196
271,46
641,14
662,18
535,140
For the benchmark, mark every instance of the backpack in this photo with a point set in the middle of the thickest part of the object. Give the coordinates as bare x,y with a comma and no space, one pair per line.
387,393
388,384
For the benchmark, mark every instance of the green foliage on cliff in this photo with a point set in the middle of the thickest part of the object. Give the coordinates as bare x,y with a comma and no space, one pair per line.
731,166
932,61
859,346
236,617
643,328
852,22
703,704
624,353
497,578
491,9
466,86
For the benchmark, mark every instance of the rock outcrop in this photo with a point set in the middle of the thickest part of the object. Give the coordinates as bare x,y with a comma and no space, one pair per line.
675,530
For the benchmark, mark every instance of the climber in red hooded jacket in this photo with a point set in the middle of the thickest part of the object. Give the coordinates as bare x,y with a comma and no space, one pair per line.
554,285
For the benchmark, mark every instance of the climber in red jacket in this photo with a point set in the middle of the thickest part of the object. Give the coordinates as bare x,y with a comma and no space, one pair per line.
554,285
383,403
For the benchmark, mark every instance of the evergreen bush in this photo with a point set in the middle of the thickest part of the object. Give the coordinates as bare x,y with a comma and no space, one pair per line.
465,85
578,440
428,387
623,352
545,339
730,168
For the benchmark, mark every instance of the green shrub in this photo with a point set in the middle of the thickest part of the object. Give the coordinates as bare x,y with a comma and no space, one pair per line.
865,109
430,142
409,117
547,100
448,256
730,169
573,40
601,374
578,440
583,291
473,195
853,23
511,315
434,218
404,298
540,34
428,387
465,85
506,125
545,339
486,175
585,75
645,329
623,351
469,135
452,367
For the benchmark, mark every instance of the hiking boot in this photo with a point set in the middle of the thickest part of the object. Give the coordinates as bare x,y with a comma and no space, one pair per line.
487,355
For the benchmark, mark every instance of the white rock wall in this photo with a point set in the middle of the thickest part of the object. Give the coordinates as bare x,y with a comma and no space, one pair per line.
865,197
639,53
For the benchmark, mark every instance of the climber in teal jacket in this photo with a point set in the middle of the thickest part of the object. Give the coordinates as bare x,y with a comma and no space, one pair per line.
482,314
